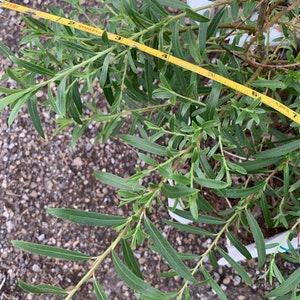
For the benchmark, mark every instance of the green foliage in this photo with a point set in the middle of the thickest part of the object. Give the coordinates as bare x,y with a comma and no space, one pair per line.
212,142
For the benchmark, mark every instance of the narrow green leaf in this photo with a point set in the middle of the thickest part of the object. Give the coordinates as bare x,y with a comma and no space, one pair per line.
86,217
258,239
178,191
134,282
116,181
279,151
148,160
104,72
168,253
251,166
213,25
12,98
6,51
100,294
213,284
78,48
188,228
41,288
16,108
34,115
289,284
271,84
238,245
50,251
213,100
32,67
130,260
195,16
146,145
201,219
236,266
211,183
240,193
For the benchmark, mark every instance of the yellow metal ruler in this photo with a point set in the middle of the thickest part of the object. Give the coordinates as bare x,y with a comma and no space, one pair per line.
278,106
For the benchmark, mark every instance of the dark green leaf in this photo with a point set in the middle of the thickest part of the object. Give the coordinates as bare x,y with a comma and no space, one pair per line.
116,181
213,284
238,245
86,217
78,48
213,25
50,251
258,239
100,294
268,83
41,288
131,260
168,253
188,228
33,67
279,151
289,284
134,282
201,219
34,115
236,266
253,166
240,193
195,16
104,72
178,191
211,183
145,145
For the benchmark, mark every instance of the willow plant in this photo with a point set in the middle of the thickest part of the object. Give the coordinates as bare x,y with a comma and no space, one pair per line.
208,140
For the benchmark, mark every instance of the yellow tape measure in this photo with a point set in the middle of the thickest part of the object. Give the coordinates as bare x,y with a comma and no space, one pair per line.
294,116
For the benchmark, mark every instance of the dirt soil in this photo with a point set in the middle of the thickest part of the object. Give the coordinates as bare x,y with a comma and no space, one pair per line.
36,174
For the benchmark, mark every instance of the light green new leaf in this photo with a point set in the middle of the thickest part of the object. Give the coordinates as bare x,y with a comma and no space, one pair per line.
177,191
146,145
100,294
85,217
41,288
289,284
167,251
34,115
279,151
117,181
258,239
134,282
13,97
236,266
32,67
5,50
213,284
131,260
50,251
16,108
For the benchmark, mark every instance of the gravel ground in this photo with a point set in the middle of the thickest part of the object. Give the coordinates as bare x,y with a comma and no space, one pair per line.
37,174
